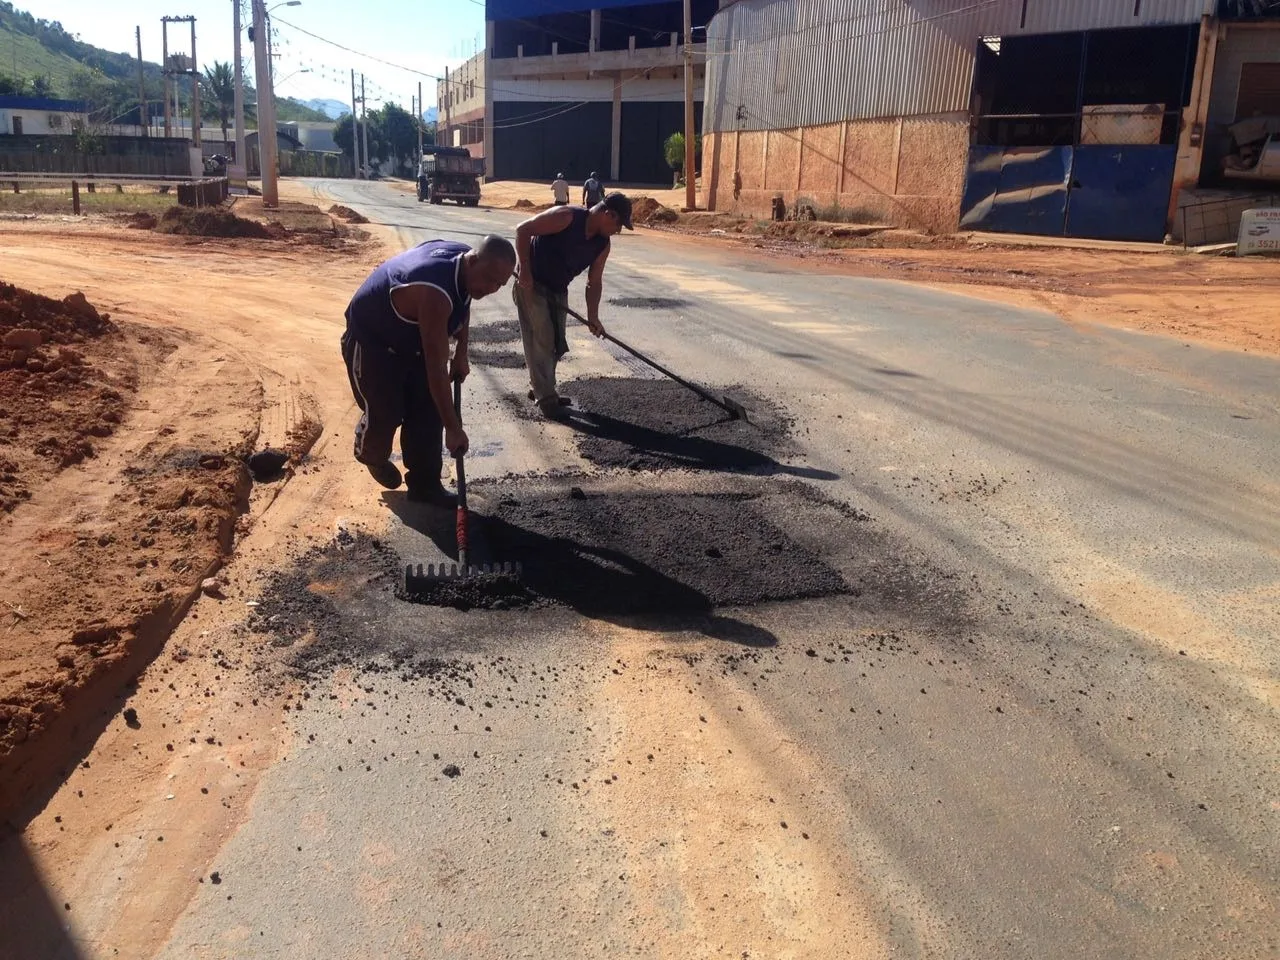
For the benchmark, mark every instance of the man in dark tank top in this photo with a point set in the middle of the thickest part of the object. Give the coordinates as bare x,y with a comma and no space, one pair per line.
553,248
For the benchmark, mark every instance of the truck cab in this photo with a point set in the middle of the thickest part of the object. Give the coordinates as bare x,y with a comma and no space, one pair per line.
449,173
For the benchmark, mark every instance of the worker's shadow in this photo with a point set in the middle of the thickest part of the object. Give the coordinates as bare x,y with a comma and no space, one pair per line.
685,451
597,582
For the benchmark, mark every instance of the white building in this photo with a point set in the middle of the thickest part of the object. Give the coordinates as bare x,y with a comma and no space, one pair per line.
40,115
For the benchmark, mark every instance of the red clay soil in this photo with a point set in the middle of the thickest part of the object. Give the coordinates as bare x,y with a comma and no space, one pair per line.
64,383
646,210
103,542
215,222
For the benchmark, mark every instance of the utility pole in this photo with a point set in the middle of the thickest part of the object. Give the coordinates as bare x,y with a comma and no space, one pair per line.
266,110
364,131
142,90
690,176
164,66
355,127
195,89
240,169
418,118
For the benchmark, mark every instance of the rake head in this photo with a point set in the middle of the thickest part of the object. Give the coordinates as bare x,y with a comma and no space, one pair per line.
419,577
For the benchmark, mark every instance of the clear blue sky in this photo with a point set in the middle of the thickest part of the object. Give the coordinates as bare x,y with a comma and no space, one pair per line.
426,35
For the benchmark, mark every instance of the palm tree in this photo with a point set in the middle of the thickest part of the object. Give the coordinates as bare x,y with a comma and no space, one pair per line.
220,82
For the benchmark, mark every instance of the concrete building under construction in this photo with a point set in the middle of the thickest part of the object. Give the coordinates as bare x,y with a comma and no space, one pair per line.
1088,118
575,86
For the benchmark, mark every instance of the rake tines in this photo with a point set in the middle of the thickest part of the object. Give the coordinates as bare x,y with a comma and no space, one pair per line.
420,576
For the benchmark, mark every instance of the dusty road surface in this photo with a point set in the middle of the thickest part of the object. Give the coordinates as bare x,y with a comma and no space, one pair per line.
965,647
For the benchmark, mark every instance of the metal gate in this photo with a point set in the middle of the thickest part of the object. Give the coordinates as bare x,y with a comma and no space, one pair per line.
1098,192
1120,192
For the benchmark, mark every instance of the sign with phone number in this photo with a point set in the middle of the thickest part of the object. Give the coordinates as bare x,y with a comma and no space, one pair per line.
1259,232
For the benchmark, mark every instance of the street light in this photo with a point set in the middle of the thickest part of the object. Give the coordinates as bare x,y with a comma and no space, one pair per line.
285,80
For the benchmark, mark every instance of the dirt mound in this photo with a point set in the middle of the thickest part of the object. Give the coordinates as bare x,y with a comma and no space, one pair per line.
657,424
139,221
63,381
647,210
213,222
347,214
523,204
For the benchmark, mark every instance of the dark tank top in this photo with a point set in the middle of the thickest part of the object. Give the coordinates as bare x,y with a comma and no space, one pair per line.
559,257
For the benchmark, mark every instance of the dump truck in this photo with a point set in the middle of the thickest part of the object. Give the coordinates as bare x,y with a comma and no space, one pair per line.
450,173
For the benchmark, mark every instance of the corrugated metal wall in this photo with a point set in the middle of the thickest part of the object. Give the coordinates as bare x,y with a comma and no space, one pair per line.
776,64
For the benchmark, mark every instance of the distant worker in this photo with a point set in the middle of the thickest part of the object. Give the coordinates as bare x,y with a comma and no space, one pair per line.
553,248
560,191
396,348
592,192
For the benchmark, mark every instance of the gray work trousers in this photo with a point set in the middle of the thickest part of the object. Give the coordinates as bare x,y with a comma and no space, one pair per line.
543,314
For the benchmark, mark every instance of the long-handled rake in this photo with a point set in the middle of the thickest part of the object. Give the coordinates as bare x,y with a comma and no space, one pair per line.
728,404
417,577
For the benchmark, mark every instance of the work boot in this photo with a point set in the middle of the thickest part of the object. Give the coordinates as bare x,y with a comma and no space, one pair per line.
434,495
386,473
564,401
551,408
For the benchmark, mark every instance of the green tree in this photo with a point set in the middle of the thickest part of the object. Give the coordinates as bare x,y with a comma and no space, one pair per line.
13,86
219,82
42,86
344,135
400,134
673,152
103,96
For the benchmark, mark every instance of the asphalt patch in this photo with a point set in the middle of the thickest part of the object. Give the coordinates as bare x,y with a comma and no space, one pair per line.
498,331
501,359
649,303
654,554
637,424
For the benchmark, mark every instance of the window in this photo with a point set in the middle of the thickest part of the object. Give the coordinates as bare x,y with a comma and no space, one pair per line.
1259,94
17,126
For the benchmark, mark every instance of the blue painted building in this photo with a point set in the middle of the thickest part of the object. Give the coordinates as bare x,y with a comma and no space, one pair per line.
40,115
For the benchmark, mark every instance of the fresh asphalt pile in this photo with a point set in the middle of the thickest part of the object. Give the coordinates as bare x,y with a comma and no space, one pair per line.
643,424
491,357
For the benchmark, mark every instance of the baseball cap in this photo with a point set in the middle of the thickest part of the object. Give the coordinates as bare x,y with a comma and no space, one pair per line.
619,204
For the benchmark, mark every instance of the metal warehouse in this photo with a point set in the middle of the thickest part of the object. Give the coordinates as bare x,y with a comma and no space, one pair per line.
1087,118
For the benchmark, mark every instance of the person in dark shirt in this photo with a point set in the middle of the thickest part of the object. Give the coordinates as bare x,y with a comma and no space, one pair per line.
396,349
553,248
592,191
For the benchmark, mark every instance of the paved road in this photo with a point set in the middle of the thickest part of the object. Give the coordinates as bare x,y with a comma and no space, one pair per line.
1045,726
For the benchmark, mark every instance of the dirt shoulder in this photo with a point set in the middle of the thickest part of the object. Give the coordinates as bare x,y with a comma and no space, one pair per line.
126,485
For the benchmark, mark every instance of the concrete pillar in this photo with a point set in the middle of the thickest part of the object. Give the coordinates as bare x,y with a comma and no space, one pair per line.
897,153
615,152
844,139
488,102
800,164
595,30
1186,170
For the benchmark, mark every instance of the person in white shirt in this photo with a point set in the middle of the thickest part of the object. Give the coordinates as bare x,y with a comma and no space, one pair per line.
560,191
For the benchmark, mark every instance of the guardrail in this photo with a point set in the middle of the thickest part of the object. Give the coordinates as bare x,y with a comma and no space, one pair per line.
202,192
